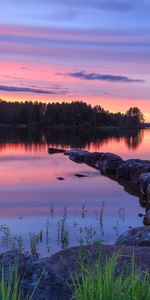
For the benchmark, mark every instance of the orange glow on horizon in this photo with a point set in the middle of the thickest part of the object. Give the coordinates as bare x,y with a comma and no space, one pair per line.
43,77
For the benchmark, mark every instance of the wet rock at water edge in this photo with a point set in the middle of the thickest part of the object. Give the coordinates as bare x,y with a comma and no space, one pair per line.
139,236
132,169
77,156
55,150
109,162
60,178
92,158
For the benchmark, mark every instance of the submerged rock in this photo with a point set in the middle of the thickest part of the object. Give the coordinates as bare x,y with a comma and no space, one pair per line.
139,236
55,150
140,215
80,175
60,178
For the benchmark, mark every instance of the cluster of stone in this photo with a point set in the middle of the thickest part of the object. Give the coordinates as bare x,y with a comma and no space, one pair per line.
133,174
136,171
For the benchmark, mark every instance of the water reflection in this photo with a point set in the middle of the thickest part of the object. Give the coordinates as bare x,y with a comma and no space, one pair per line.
36,140
135,139
70,210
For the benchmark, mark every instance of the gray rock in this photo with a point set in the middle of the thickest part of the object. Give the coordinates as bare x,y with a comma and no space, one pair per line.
109,162
92,158
77,155
136,172
132,169
76,152
139,236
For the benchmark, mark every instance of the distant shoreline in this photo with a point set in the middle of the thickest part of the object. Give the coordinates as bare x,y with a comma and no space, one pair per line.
61,127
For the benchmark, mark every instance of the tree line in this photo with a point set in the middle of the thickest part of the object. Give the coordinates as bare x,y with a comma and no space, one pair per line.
75,114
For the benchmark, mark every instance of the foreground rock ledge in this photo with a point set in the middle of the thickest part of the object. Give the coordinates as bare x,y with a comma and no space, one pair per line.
56,282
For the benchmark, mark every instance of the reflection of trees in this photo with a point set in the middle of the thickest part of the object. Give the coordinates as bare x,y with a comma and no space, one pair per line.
134,139
75,138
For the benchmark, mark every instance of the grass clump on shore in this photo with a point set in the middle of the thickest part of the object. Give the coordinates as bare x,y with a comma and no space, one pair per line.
108,281
10,283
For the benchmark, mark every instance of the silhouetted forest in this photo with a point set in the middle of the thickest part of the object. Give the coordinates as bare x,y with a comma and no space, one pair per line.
66,114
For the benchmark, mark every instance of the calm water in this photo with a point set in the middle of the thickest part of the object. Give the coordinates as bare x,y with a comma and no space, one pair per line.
33,200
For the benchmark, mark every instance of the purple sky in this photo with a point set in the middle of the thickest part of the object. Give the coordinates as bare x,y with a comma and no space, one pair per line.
96,51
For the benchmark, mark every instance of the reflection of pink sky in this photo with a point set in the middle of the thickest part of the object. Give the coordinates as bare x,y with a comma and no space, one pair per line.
28,183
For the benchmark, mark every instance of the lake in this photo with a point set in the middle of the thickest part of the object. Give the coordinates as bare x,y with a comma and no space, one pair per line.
37,210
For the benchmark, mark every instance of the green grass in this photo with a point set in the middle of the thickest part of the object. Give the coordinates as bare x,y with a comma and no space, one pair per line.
103,283
10,284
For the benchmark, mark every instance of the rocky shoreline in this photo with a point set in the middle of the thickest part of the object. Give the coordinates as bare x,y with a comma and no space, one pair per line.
133,174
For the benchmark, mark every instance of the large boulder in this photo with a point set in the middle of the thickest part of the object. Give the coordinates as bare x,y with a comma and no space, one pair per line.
109,162
77,155
139,236
132,169
92,158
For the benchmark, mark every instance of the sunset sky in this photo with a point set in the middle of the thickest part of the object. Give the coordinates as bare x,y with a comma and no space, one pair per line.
96,51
